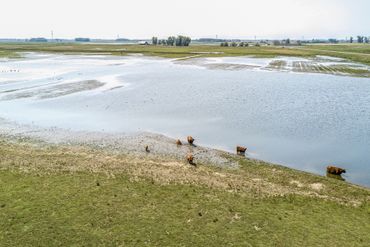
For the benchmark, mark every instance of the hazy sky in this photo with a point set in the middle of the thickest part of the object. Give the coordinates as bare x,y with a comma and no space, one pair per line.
196,18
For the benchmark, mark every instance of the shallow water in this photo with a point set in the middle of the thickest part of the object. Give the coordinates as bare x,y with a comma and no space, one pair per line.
302,120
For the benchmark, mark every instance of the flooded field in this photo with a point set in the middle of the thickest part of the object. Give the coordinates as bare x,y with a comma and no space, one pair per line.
298,112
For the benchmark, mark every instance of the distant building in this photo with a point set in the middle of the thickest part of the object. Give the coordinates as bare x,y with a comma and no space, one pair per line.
82,39
38,40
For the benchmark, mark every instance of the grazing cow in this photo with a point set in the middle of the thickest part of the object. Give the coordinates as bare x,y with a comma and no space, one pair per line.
190,140
190,159
147,149
178,142
240,150
335,170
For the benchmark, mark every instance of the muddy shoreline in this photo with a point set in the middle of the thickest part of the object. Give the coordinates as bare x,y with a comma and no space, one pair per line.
133,144
164,154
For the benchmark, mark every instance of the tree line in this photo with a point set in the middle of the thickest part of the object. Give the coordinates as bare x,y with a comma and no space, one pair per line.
360,39
172,40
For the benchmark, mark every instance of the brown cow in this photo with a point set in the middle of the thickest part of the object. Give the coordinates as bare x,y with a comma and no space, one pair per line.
190,140
335,170
240,150
190,159
178,142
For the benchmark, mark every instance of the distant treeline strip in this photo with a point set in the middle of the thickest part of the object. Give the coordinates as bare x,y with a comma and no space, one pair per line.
172,40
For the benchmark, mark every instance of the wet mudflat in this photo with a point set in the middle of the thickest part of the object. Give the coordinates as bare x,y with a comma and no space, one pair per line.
275,107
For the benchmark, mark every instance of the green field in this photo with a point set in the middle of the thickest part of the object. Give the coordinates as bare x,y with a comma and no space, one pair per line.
81,196
354,52
9,54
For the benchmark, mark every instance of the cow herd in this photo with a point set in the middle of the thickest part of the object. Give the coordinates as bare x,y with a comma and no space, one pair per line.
240,150
190,157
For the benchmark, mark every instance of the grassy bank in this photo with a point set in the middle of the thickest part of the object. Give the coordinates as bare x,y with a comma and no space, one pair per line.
357,53
9,54
81,196
354,52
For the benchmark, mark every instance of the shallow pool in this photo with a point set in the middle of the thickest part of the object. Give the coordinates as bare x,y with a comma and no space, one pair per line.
302,120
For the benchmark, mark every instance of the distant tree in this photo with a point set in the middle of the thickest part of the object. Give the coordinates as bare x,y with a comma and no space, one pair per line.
366,39
360,39
241,44
178,41
257,44
226,44
351,39
333,41
246,44
170,41
222,44
154,40
182,41
299,42
234,44
287,41
187,41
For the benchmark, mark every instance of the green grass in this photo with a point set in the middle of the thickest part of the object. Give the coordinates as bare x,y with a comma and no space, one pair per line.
78,196
8,54
357,53
354,48
353,52
71,210
161,51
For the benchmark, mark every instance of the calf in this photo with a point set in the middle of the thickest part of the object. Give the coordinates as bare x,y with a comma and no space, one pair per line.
335,170
178,142
190,159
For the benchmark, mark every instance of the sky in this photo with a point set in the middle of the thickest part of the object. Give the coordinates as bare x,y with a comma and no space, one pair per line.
109,19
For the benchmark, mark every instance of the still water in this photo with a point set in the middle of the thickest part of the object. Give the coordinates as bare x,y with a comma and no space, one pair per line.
301,120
